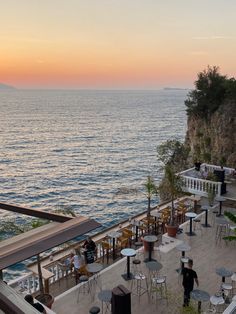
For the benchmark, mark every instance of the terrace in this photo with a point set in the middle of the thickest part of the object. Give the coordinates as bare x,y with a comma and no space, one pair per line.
207,252
197,182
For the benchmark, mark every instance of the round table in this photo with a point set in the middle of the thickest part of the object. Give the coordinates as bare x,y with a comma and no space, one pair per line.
200,296
114,235
153,266
150,239
94,269
105,296
128,253
206,208
224,273
191,215
220,199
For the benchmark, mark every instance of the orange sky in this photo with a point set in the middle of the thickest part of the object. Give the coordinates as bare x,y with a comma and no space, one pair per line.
114,43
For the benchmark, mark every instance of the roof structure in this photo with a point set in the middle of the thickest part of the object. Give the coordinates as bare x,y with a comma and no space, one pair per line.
38,240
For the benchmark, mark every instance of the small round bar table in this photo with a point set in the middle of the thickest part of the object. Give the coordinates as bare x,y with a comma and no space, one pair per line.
128,253
200,296
191,215
150,239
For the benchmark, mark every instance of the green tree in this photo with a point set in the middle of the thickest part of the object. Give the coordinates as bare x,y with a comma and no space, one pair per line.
151,189
209,93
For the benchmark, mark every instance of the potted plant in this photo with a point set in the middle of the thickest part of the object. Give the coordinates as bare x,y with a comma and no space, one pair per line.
172,155
171,187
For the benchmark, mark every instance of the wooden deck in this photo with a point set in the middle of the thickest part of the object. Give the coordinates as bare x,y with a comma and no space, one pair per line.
205,252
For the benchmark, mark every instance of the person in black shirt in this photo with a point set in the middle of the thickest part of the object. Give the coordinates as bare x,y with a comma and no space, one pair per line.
189,275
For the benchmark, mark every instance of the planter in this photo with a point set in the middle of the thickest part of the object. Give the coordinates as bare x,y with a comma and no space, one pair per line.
46,299
146,245
172,230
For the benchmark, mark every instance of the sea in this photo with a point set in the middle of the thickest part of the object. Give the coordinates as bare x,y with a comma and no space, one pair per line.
82,148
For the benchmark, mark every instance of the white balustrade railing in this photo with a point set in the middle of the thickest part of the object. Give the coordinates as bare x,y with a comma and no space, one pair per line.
200,186
27,283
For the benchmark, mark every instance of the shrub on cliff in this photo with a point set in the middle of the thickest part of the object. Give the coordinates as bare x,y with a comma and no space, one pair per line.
211,90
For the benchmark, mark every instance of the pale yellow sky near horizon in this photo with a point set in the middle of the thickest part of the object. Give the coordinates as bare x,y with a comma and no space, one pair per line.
114,44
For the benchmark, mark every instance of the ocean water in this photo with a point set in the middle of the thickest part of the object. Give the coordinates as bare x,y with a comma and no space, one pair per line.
78,148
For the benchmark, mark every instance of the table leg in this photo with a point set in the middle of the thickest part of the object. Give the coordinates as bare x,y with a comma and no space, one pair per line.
220,208
199,306
191,226
136,234
114,249
128,267
150,252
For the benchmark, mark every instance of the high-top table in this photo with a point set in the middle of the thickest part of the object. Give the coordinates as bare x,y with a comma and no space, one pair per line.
220,199
190,215
114,235
206,208
183,247
128,253
95,269
150,239
224,273
200,296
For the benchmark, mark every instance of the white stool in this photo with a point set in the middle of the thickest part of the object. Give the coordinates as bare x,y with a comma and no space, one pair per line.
216,304
158,286
139,284
233,281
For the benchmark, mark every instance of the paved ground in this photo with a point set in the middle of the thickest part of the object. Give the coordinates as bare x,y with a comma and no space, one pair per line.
206,254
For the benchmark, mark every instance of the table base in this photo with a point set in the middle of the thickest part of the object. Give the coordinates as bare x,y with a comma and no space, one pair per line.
125,277
190,234
149,260
206,226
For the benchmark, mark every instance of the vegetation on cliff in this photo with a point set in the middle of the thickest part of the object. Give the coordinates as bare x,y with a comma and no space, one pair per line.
211,91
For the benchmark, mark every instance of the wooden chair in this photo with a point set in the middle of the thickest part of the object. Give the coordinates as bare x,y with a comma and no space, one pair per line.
106,249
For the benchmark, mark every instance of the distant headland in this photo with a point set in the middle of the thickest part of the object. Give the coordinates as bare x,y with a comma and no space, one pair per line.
6,87
175,88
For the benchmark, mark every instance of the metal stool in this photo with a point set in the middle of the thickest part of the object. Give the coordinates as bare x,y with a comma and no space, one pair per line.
84,286
139,284
227,288
105,297
216,304
197,224
94,310
158,285
221,231
233,281
136,266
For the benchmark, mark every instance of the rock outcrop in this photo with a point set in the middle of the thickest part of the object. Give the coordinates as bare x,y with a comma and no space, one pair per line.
213,139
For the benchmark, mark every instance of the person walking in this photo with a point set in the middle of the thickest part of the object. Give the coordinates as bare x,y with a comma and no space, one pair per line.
189,276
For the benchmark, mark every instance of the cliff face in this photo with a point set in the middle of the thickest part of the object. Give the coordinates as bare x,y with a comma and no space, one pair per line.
213,140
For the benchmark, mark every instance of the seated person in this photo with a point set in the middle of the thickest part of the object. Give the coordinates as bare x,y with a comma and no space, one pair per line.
36,305
77,260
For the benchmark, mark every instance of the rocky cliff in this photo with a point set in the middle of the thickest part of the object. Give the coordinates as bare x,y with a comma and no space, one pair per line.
213,139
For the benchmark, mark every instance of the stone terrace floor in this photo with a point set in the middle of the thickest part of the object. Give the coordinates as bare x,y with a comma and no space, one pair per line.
206,255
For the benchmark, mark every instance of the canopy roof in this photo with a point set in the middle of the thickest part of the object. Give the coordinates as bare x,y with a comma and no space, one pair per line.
38,240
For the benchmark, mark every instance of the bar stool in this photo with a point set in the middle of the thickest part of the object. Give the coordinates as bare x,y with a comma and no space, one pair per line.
221,231
227,288
139,284
233,281
216,304
84,286
94,310
105,297
136,266
158,286
197,224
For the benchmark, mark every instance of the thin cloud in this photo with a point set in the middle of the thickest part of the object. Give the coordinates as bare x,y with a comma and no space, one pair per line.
212,37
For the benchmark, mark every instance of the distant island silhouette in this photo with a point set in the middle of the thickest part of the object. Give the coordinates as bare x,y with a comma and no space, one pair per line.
175,88
6,87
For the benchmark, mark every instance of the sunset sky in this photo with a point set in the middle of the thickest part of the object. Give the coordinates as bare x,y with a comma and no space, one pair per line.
114,43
